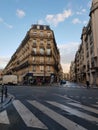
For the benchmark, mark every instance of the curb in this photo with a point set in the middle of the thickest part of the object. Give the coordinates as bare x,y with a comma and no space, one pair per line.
6,102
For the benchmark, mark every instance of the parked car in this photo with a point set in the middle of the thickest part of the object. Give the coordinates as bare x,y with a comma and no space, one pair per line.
62,82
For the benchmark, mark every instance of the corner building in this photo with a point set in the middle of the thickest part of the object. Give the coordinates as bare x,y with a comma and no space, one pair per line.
37,59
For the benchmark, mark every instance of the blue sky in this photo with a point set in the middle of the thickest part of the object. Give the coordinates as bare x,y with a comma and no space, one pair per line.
65,17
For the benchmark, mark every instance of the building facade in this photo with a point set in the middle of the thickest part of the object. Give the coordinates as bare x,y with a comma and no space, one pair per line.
37,59
86,58
72,71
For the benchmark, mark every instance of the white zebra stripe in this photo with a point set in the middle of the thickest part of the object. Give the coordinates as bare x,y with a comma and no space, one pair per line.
4,118
95,105
65,97
66,123
85,107
74,112
28,117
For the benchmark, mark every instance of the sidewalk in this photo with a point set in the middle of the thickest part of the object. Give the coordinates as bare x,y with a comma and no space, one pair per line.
83,85
5,102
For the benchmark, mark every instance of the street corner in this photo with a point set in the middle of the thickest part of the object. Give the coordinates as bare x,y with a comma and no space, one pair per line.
6,101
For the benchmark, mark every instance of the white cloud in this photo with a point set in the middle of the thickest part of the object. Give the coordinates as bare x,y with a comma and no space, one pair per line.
40,22
76,21
6,24
20,13
84,10
81,12
3,61
85,22
89,4
57,18
66,67
67,52
1,20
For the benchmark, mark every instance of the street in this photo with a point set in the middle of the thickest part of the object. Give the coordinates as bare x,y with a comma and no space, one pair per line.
66,107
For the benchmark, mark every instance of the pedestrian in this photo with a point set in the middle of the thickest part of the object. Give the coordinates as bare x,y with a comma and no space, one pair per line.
5,88
2,91
87,84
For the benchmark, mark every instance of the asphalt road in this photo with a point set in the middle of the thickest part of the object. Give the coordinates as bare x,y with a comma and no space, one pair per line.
67,107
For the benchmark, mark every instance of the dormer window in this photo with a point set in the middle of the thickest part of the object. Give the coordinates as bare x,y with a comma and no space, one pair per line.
44,27
38,27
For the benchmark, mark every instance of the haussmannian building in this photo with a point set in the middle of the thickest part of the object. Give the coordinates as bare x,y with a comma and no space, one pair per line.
37,59
86,58
72,71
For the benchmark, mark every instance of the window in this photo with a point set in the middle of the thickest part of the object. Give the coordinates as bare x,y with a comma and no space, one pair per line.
34,33
44,27
34,42
91,49
48,43
41,68
42,59
42,51
48,59
41,42
33,59
41,34
87,54
48,68
34,50
34,68
38,27
48,34
48,51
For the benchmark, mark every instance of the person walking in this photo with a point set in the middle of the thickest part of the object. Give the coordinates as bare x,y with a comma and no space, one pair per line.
2,91
87,84
5,88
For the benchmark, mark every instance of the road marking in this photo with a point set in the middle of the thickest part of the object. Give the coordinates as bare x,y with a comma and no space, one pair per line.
95,105
66,123
28,117
83,97
85,107
90,97
74,112
4,118
65,97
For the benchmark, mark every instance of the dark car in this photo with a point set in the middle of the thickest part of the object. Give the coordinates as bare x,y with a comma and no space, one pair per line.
62,82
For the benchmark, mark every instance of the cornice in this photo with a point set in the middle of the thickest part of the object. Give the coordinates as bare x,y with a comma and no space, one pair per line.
93,8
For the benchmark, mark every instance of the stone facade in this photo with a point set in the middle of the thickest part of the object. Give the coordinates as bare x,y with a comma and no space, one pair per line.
37,59
86,58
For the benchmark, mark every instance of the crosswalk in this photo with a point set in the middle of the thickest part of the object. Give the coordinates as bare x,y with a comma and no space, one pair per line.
67,115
